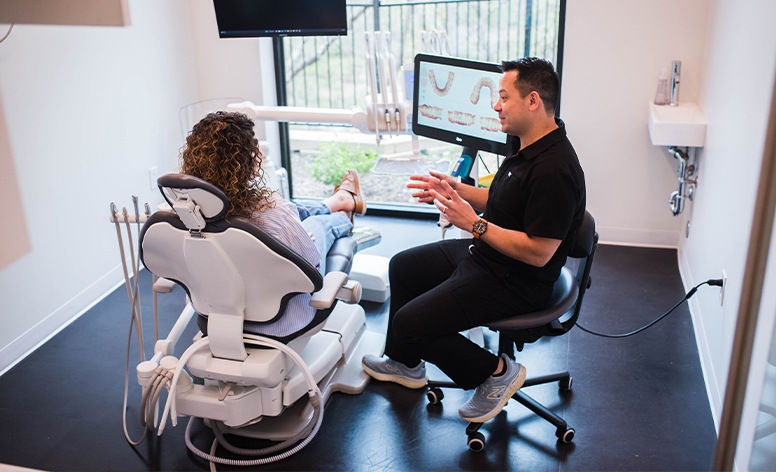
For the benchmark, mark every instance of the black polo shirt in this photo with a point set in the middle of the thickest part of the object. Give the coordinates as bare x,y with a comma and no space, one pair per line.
539,191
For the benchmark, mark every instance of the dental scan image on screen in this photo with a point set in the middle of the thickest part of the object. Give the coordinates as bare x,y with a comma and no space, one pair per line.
459,100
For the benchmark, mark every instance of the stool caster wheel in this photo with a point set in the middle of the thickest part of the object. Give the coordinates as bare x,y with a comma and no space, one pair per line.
434,395
476,442
565,435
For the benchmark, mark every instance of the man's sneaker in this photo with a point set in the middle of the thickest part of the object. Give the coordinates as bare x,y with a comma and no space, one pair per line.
491,396
389,370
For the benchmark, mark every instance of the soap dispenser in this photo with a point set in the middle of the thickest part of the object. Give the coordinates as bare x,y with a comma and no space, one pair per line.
661,97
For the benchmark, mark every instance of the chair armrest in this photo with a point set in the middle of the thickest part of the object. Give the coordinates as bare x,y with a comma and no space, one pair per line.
163,285
350,293
332,282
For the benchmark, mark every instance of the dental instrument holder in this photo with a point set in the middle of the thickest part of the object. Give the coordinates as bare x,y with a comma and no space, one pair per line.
132,268
685,181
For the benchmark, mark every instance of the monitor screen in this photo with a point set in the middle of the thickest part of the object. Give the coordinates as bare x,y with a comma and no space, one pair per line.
453,102
263,18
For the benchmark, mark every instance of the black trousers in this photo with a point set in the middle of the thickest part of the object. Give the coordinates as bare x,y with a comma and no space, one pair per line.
439,290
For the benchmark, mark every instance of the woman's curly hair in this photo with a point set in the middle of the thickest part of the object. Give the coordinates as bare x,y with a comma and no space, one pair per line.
223,150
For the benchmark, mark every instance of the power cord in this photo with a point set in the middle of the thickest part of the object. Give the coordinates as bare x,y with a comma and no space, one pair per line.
710,282
6,33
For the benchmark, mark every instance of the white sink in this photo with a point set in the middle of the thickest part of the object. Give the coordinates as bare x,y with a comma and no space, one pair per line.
682,125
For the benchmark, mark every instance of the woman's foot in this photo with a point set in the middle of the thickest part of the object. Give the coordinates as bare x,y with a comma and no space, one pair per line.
351,184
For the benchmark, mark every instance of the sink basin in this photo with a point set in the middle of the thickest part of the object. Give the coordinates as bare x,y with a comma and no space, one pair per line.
682,125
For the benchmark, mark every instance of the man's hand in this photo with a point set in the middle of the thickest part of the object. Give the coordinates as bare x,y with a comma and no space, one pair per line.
457,210
433,181
518,245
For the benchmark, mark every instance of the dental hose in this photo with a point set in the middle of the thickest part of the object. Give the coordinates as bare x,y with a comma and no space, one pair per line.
313,392
126,387
308,433
159,382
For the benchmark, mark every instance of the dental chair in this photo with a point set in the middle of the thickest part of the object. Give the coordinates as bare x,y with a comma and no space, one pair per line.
237,278
556,319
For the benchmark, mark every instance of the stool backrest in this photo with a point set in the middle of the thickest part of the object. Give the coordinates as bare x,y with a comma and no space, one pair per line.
565,303
583,250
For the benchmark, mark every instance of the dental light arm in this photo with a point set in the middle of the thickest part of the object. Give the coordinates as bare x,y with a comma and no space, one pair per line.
381,75
355,116
394,84
386,111
372,98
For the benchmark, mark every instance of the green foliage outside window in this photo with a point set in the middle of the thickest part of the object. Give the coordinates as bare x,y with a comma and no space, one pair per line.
335,159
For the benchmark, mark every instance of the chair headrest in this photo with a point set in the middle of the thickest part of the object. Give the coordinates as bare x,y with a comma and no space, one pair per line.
196,201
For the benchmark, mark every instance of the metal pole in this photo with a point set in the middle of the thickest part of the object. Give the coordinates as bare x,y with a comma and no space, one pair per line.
749,307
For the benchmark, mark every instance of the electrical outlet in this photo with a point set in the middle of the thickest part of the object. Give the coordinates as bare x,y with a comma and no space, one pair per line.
153,175
722,288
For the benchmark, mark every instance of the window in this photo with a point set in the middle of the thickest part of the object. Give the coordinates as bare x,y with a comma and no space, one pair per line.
331,72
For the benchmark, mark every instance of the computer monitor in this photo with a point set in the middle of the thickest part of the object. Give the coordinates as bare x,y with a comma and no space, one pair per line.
453,101
274,18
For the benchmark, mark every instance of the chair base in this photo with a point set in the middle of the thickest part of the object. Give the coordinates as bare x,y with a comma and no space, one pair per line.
348,377
476,440
333,356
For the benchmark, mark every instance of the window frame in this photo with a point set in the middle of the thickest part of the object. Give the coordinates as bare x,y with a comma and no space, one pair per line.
284,132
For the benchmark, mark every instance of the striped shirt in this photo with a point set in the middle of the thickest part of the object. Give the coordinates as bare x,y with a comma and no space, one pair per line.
282,222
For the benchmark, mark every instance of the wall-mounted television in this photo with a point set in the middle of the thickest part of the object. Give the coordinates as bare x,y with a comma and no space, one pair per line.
453,102
273,18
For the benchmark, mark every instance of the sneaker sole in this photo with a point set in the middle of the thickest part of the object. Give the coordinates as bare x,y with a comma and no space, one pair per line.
510,391
409,383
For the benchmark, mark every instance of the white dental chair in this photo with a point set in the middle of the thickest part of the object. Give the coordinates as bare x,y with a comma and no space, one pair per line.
237,278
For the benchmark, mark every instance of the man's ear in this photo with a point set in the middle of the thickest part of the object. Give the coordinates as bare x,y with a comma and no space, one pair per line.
534,101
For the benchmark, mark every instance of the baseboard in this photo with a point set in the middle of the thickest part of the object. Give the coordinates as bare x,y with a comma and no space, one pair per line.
638,237
27,343
704,350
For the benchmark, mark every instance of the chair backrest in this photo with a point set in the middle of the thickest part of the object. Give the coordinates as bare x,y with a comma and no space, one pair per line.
583,251
232,270
565,303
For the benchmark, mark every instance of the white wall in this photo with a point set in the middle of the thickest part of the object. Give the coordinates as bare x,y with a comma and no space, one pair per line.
87,112
614,51
738,80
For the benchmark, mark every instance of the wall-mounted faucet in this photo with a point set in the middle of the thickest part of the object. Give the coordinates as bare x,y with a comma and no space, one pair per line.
676,72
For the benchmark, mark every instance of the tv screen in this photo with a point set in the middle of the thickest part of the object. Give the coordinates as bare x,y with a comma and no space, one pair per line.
453,102
268,18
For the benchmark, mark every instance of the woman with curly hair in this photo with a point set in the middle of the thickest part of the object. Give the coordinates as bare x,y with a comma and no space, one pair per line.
222,149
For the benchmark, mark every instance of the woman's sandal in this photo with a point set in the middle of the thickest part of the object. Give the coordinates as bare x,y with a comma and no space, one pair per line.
351,184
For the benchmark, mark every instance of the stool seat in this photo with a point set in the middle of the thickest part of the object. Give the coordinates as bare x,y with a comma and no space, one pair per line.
562,299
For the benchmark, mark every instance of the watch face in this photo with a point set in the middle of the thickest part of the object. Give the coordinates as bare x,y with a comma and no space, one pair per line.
479,227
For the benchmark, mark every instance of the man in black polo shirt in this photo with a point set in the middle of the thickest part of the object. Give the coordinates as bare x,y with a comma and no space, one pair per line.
530,214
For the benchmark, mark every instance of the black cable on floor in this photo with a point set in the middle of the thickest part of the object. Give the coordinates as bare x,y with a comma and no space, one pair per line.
710,282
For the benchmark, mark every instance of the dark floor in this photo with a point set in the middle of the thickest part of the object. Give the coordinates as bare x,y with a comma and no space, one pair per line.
637,403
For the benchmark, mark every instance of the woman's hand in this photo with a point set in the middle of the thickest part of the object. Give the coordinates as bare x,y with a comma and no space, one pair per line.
427,183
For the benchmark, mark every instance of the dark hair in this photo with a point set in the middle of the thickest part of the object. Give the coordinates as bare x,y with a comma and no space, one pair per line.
536,74
223,150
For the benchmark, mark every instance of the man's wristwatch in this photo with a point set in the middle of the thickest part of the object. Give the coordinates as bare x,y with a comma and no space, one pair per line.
479,227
